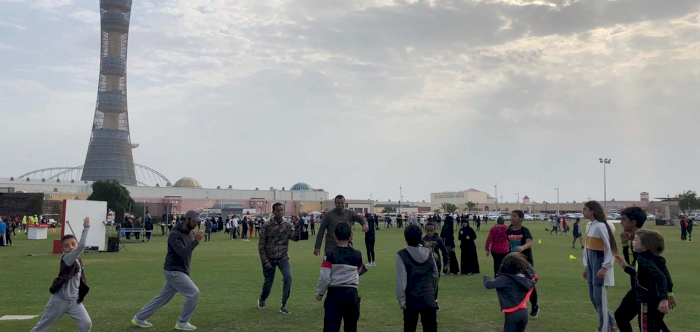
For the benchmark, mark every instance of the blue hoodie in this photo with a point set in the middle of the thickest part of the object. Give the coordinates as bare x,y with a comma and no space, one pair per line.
513,289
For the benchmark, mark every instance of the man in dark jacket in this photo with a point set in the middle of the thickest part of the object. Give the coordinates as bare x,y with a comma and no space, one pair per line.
332,218
176,269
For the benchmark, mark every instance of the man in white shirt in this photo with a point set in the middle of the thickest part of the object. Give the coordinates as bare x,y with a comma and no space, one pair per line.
234,230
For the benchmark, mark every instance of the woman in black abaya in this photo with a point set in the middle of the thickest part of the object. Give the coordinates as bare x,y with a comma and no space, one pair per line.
470,260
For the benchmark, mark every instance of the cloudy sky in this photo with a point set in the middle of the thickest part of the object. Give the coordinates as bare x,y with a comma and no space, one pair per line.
361,97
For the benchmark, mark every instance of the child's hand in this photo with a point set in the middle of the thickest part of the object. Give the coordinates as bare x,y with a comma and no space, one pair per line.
620,261
519,249
625,237
319,297
601,273
671,302
663,307
86,222
585,273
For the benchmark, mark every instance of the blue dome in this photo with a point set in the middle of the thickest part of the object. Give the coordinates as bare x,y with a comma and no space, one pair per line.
301,186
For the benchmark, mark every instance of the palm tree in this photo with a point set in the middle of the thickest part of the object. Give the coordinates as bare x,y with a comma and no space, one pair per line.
470,206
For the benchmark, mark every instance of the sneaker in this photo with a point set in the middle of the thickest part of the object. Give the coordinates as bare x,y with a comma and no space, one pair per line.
140,323
438,305
261,304
284,310
185,326
535,311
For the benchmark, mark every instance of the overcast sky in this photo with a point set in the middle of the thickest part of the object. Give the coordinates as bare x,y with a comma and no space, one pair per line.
360,97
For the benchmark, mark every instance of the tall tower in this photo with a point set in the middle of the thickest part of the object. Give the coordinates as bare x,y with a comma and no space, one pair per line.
109,155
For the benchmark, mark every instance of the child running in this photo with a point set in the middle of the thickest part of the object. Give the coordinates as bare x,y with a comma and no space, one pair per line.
340,276
598,262
577,233
632,220
651,282
514,284
69,288
520,240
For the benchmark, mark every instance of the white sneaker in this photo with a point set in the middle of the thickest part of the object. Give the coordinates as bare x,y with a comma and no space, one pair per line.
140,323
185,326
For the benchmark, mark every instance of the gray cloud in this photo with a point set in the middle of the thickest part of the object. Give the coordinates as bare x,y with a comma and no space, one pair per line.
364,96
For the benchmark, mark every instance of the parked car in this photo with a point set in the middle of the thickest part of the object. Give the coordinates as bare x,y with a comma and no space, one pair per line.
528,218
506,216
651,216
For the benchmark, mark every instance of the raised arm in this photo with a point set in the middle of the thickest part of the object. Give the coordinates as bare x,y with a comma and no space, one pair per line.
500,282
295,233
70,257
181,249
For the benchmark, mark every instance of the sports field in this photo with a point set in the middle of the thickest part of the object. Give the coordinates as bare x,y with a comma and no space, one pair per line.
229,276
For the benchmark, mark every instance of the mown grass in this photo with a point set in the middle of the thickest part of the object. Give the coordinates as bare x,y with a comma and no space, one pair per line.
229,277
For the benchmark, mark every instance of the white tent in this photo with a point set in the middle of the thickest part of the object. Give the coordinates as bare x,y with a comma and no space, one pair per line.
316,213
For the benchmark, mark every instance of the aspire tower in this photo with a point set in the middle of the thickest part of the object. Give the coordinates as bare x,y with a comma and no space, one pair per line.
109,155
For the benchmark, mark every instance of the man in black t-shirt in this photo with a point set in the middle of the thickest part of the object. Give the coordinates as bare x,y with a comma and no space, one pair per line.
520,240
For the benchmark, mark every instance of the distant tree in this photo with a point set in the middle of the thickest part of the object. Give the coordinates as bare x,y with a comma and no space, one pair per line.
117,196
437,211
389,209
470,206
688,201
449,208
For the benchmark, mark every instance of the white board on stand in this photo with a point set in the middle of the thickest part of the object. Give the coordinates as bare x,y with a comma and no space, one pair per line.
75,211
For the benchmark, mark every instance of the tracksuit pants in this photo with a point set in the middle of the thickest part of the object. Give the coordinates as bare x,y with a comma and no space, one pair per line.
175,282
57,307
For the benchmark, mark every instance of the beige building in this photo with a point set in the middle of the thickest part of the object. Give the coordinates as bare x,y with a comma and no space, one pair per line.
459,198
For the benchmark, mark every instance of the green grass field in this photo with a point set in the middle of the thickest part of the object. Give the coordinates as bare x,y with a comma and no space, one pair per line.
229,276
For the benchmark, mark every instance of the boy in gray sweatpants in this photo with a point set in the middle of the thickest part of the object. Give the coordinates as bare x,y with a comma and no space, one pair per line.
176,270
69,289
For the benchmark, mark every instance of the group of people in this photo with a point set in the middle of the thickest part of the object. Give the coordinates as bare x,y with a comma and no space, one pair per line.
418,270
10,225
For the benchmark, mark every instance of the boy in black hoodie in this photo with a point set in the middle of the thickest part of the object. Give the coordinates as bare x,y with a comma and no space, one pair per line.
514,284
433,242
632,220
651,283
416,282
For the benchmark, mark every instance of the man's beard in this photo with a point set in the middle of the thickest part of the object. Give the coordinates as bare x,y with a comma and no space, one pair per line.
190,227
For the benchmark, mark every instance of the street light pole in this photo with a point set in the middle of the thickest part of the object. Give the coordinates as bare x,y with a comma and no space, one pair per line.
605,162
558,206
518,193
400,197
496,186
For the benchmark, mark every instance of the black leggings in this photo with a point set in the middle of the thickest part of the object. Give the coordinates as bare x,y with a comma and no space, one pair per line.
369,243
515,321
497,259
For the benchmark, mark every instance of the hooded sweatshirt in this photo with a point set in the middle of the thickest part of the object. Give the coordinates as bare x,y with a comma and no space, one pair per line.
514,290
417,279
